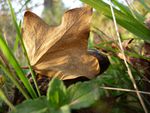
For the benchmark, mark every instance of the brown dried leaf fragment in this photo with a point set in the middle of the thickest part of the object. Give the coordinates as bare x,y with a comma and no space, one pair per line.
62,50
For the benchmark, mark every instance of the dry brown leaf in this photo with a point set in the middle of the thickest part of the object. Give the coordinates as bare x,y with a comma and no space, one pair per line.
62,50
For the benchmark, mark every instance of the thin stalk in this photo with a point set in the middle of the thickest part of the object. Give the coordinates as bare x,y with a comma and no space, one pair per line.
4,98
125,60
126,90
34,80
14,80
23,47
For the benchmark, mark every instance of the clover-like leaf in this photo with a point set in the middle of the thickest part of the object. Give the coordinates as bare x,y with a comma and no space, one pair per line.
56,94
39,105
82,95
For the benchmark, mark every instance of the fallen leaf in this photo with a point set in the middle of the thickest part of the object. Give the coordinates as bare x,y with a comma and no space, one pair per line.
61,50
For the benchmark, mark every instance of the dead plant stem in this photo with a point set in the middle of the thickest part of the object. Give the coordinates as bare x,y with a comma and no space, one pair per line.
125,60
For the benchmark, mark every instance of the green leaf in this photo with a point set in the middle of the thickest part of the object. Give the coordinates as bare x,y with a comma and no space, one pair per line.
11,59
128,11
127,21
19,36
14,80
90,41
56,94
63,109
122,8
17,40
39,105
82,95
14,19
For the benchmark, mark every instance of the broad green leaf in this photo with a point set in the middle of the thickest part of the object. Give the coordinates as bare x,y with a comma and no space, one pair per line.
56,94
126,21
63,109
82,95
39,105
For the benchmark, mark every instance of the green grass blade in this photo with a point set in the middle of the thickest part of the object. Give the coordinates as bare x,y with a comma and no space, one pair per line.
23,47
17,39
127,11
4,98
90,41
123,8
11,59
126,21
27,1
14,80
16,44
14,19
